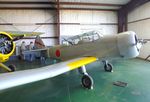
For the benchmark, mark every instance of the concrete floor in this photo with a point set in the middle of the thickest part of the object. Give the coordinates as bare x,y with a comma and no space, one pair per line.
67,87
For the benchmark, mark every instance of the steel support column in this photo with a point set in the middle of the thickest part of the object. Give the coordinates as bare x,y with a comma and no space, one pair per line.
123,13
58,21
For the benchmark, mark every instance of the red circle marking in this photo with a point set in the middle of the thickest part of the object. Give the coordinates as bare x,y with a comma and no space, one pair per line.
57,53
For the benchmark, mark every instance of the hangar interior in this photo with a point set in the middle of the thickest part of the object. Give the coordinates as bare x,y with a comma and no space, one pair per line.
58,19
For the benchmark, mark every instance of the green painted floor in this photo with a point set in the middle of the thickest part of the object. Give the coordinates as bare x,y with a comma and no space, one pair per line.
67,87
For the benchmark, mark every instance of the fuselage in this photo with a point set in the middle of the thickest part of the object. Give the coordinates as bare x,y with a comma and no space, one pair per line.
119,46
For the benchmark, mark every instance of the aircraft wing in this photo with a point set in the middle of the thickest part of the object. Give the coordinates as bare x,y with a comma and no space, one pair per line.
8,80
18,33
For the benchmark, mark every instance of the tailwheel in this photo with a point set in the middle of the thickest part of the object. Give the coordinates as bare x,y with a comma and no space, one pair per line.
87,81
12,68
108,67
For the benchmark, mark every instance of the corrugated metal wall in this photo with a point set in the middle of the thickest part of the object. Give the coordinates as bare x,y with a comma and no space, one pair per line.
78,22
29,20
72,22
139,21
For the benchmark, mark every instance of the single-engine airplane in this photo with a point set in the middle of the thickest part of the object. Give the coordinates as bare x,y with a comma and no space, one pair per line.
76,56
7,46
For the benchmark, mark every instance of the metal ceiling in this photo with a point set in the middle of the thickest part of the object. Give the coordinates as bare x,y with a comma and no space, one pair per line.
63,4
122,2
85,1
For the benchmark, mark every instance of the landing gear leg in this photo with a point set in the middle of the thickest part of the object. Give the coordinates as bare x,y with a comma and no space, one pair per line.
86,79
107,66
10,68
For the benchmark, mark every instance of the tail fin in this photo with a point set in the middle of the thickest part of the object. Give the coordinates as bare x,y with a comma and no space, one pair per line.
39,44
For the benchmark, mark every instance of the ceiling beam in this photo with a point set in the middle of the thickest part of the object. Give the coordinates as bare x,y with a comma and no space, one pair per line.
54,4
25,2
89,9
61,3
88,4
133,4
52,8
33,8
123,13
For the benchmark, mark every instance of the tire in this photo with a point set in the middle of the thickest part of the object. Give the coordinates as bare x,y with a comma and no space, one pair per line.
12,67
87,82
108,67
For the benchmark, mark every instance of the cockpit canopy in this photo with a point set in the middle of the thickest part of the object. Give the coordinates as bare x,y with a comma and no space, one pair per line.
85,37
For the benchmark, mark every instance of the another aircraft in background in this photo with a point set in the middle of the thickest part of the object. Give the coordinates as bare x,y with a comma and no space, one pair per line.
34,51
76,56
7,46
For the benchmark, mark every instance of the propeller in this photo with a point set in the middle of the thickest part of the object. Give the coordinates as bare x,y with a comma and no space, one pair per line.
143,41
137,43
140,42
6,44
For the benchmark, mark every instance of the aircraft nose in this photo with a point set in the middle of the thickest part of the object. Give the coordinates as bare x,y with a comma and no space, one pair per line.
128,44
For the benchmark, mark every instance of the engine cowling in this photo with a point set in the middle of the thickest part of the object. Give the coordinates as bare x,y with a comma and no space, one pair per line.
7,46
127,44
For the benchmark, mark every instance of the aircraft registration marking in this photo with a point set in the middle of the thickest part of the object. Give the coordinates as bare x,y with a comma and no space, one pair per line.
81,62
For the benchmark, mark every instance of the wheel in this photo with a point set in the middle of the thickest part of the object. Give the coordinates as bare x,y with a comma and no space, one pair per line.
12,67
108,67
87,81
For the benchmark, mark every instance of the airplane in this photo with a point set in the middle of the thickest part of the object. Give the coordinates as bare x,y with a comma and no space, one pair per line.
37,53
39,46
76,56
7,46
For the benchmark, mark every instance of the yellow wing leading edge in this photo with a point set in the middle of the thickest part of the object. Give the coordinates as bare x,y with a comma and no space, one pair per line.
81,62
